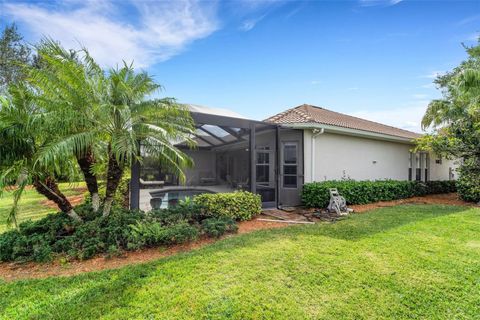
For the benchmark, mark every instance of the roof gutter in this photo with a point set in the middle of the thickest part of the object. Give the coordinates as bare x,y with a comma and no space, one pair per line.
348,131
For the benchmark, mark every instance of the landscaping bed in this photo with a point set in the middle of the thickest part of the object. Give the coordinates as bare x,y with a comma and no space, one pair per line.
13,271
58,236
10,271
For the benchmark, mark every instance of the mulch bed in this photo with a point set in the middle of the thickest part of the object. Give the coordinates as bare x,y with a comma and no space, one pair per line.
445,199
16,271
10,271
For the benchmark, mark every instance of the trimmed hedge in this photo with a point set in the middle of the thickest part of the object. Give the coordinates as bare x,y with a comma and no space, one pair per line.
317,195
239,205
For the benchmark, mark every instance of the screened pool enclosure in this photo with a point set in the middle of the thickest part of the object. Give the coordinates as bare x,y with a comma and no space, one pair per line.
231,154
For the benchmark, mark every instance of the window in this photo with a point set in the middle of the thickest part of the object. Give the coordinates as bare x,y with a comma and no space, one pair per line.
263,167
410,162
290,165
418,170
427,161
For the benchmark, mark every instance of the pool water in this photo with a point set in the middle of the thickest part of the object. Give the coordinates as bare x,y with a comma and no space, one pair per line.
170,198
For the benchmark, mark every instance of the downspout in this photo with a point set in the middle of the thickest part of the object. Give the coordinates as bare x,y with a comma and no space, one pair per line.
315,134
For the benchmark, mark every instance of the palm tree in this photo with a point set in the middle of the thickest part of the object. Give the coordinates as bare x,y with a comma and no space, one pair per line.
22,134
130,121
461,94
69,88
115,121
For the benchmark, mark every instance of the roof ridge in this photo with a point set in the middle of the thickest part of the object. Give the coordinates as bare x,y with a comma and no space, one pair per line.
362,119
303,114
284,113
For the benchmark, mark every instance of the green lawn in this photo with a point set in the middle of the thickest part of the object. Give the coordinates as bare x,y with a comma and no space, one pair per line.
31,204
411,261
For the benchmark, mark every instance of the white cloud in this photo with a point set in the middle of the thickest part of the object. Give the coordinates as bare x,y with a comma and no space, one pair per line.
420,96
353,89
473,37
164,29
315,82
432,75
371,3
428,86
408,118
468,20
249,24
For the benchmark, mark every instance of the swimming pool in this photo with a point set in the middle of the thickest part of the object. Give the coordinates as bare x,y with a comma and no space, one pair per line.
168,198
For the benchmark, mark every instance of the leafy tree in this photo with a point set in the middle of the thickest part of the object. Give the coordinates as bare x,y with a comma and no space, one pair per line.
70,114
22,136
69,88
94,116
455,120
129,120
14,53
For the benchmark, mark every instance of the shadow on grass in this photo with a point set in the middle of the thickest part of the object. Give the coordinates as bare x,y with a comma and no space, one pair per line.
101,293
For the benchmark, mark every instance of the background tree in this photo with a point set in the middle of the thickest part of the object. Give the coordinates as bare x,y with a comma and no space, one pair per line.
14,53
455,120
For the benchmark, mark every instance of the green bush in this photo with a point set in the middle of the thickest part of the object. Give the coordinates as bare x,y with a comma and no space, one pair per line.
217,227
317,195
239,205
57,234
468,183
148,233
437,187
186,210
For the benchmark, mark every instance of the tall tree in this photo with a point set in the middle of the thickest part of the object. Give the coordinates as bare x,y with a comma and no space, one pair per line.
22,136
93,114
455,120
132,123
14,53
68,84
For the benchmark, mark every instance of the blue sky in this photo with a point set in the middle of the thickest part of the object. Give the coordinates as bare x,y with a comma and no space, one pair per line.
370,58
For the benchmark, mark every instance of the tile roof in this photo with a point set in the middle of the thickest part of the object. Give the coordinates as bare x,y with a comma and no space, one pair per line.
312,114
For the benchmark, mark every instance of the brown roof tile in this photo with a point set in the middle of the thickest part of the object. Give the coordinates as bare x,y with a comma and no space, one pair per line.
312,114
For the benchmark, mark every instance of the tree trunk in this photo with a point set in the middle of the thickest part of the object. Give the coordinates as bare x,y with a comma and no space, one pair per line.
86,162
49,188
114,175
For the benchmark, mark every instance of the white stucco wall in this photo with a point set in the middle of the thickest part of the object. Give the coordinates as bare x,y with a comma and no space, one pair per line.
441,171
337,156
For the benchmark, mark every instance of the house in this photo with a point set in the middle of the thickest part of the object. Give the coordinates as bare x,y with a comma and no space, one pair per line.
275,157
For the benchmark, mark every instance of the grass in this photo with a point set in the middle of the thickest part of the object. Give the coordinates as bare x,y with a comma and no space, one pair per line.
405,262
32,204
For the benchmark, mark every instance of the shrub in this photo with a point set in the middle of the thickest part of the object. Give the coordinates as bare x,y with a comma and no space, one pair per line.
437,187
217,227
239,205
58,234
8,242
153,233
468,183
185,210
317,195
